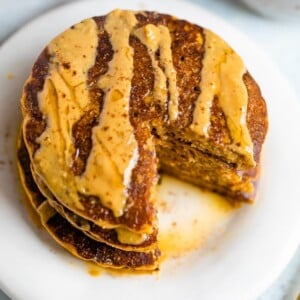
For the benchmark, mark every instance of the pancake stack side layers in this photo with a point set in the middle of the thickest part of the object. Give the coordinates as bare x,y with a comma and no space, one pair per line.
116,99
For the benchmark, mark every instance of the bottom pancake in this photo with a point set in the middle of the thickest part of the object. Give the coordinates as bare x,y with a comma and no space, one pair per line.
86,248
71,238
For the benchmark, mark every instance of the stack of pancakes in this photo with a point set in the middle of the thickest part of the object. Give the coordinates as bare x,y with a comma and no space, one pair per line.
115,99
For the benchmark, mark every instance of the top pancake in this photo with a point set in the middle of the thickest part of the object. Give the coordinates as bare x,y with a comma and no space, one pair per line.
98,89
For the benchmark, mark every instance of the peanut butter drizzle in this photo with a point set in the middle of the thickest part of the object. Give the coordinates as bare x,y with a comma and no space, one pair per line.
158,38
222,78
65,99
114,153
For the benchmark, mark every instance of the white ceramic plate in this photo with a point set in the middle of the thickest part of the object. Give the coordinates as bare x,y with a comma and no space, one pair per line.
245,260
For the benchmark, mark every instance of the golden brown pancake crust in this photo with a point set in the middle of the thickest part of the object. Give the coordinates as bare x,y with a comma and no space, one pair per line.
107,236
77,242
187,56
88,249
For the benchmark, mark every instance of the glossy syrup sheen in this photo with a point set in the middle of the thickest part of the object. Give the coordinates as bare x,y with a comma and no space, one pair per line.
189,219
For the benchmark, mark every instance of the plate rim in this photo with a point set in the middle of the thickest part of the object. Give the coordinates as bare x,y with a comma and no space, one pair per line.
284,82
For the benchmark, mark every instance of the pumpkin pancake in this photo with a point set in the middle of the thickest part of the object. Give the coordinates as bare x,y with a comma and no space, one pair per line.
115,99
73,239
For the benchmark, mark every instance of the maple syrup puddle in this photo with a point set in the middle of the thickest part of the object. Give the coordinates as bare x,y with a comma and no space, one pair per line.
32,214
30,211
189,218
95,271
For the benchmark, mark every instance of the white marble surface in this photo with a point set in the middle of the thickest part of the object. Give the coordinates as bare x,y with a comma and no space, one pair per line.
279,39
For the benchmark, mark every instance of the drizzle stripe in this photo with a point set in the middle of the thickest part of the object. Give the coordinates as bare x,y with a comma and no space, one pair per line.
222,78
